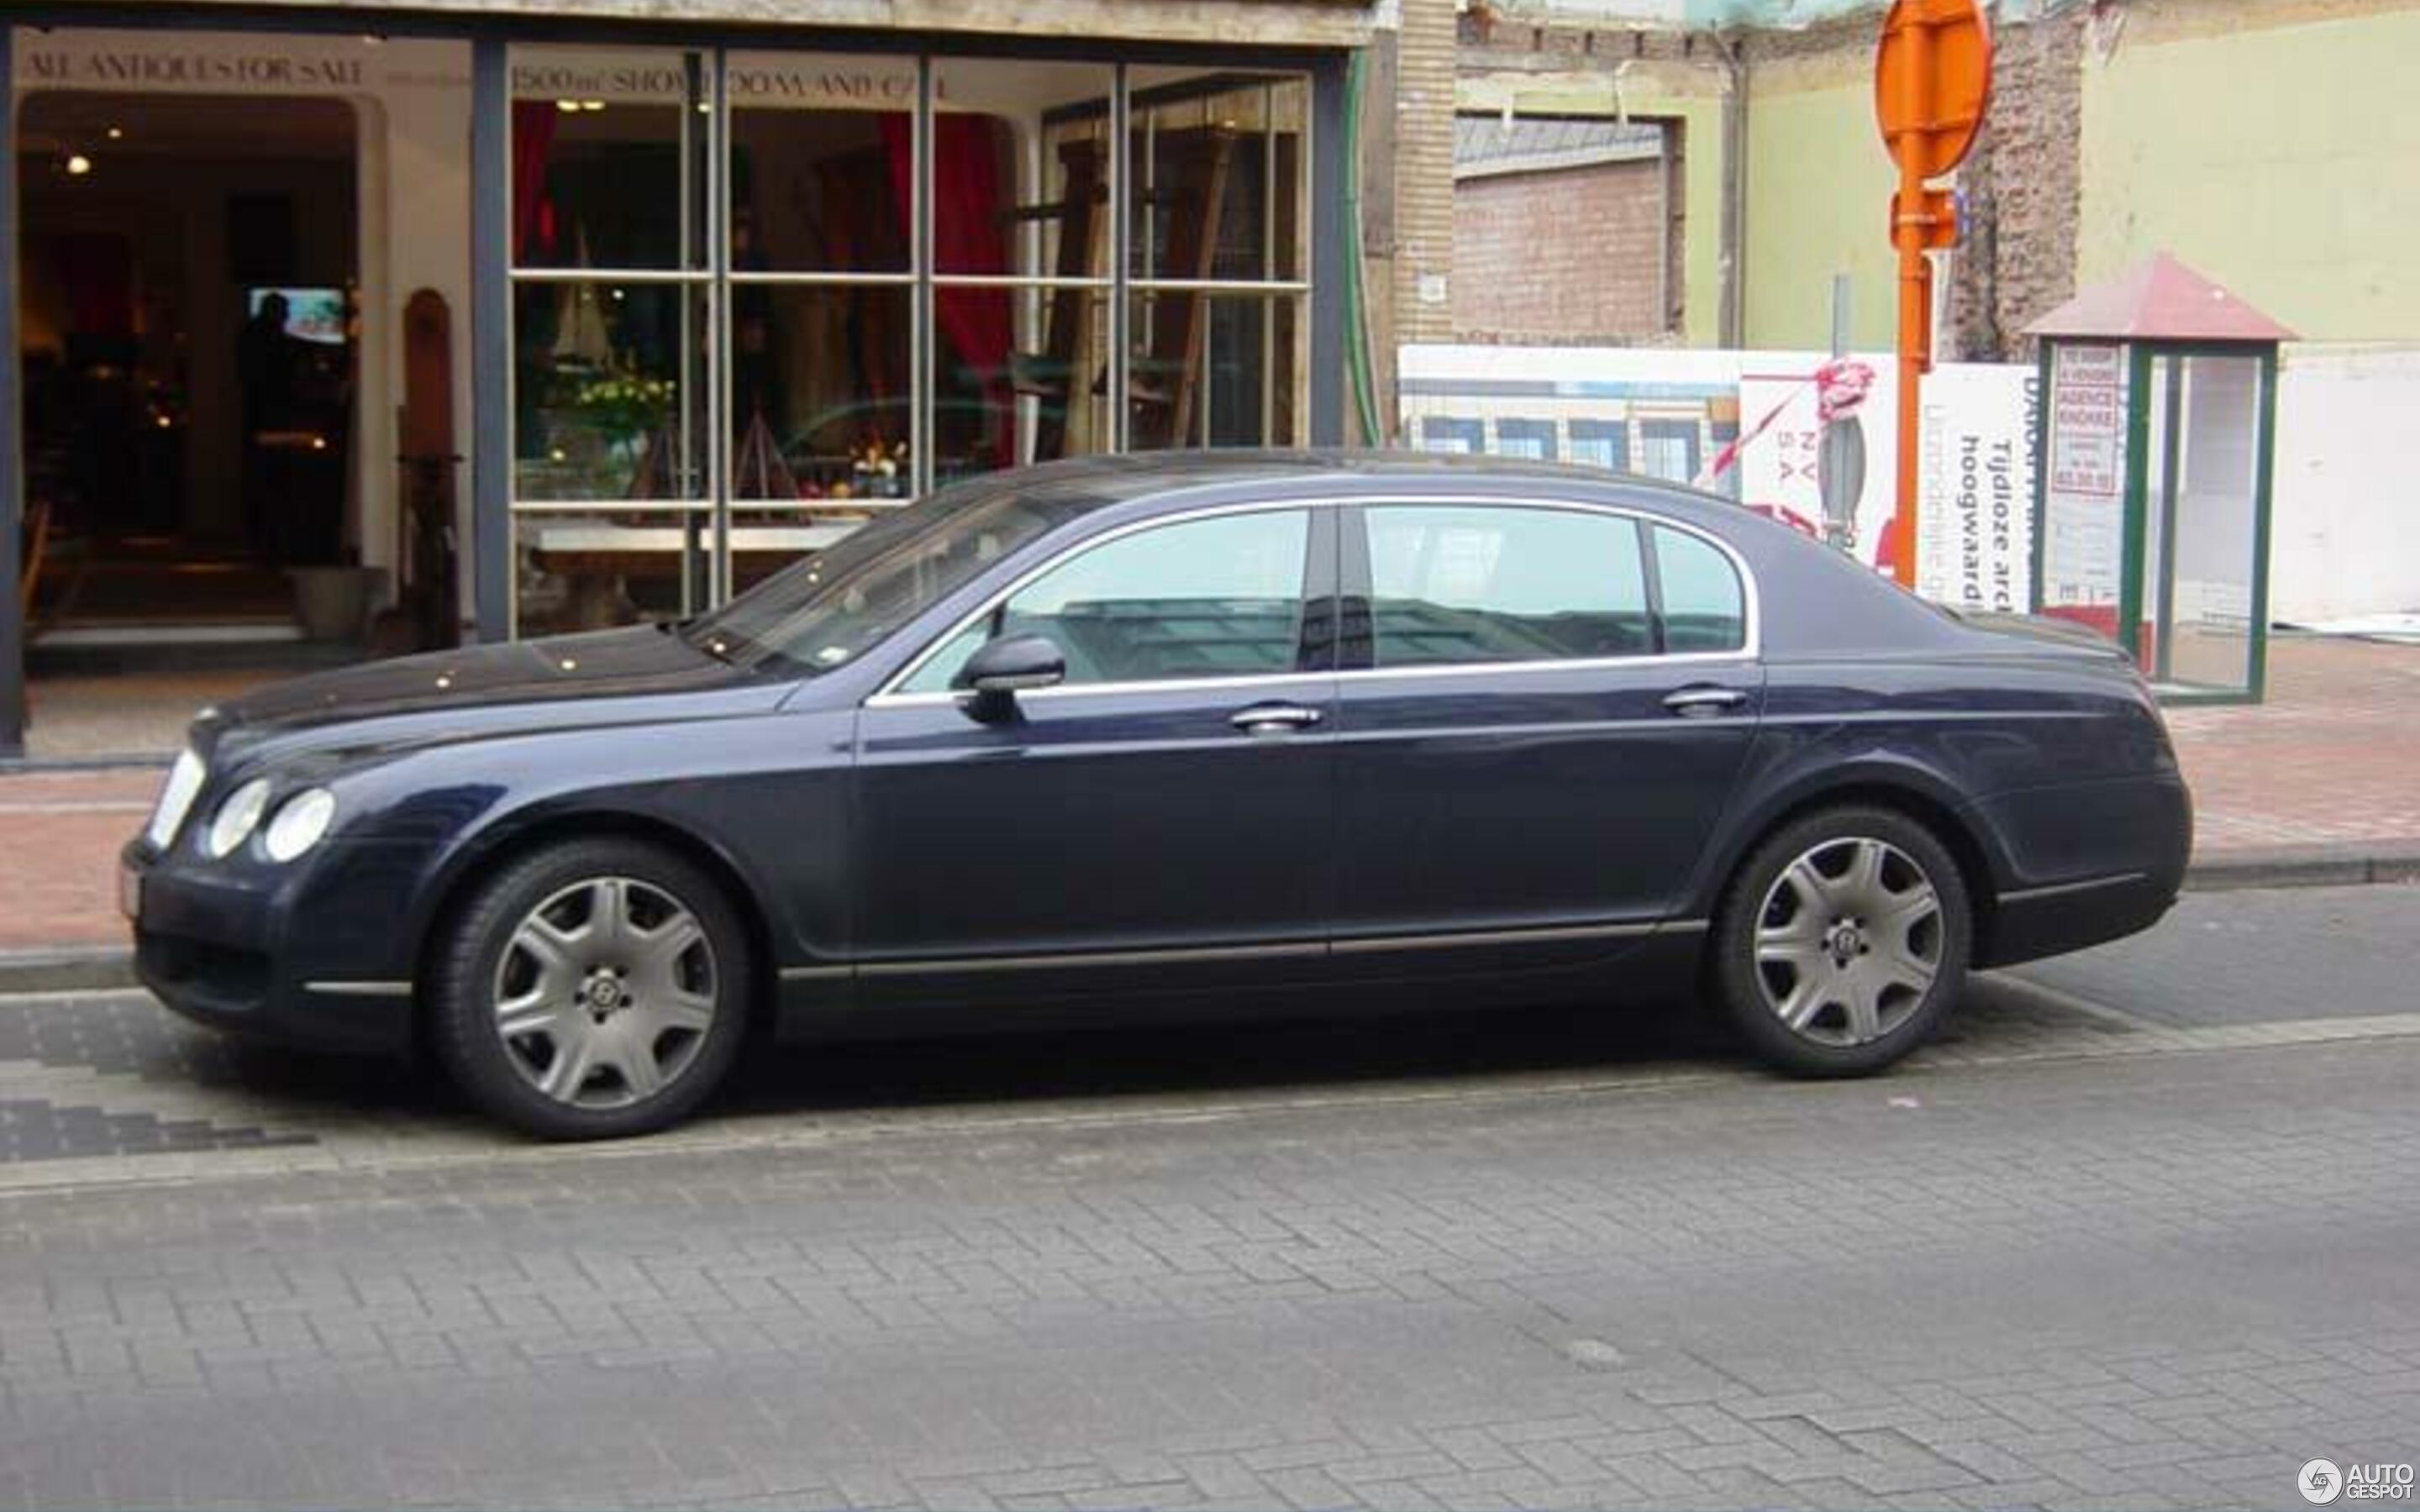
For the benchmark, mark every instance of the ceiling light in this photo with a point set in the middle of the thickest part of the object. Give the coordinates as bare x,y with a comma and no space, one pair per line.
569,107
117,134
77,165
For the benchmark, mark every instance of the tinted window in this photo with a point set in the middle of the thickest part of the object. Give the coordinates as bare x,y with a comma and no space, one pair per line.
1217,597
1462,583
825,610
1703,606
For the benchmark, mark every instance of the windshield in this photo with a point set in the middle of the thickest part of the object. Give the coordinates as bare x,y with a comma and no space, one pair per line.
825,612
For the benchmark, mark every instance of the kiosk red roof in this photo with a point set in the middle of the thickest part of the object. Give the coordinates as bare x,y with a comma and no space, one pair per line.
2160,300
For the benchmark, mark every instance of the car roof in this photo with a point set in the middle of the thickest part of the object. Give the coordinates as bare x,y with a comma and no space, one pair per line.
1083,485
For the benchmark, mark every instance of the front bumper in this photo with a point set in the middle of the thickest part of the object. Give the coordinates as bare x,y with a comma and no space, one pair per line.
255,952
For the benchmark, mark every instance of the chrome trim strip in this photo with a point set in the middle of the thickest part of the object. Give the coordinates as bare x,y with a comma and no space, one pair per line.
1375,943
1685,926
817,973
1065,691
1751,605
1364,945
2026,895
1095,958
1578,664
359,989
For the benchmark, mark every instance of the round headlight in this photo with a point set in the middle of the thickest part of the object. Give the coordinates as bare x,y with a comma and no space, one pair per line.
237,818
298,824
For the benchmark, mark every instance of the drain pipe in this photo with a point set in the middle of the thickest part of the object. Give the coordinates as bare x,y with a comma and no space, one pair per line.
1733,51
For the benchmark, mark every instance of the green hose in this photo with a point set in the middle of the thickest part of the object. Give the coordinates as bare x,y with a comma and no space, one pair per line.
1356,309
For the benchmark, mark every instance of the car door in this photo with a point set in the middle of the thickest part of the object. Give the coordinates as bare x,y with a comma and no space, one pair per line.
1166,811
1542,712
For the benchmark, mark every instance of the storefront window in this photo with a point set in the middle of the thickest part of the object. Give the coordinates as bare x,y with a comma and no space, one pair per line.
822,293
1215,255
1021,234
760,298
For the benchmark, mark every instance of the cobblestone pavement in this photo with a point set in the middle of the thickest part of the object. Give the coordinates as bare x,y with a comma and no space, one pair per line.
2076,1256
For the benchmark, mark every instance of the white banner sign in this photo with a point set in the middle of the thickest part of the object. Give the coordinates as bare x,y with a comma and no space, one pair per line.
1779,475
1975,491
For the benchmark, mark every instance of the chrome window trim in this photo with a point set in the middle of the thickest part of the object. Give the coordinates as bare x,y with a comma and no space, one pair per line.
1751,604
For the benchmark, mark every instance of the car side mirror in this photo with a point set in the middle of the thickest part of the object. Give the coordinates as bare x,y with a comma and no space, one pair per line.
993,676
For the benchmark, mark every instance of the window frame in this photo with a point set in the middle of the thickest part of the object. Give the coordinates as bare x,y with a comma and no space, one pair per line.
1355,563
1318,584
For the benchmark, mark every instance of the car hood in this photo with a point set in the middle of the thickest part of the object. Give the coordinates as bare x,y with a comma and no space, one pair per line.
487,689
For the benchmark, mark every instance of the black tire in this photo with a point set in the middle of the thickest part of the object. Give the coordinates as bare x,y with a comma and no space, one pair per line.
1835,1039
470,976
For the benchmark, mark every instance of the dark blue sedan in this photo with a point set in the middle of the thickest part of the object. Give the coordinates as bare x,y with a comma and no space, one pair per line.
1225,735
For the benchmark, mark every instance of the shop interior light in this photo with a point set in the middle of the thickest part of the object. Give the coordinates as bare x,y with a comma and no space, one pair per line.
569,107
77,165
117,134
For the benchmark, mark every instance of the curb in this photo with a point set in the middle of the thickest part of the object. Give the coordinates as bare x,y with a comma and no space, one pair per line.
72,968
2353,864
107,967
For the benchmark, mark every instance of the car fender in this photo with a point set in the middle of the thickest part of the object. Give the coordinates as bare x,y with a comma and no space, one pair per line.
1788,776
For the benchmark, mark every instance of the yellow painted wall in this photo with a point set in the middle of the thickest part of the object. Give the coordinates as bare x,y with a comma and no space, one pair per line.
1692,98
1819,186
2280,156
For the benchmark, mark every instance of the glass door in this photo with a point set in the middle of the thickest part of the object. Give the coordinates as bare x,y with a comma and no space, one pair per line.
2195,630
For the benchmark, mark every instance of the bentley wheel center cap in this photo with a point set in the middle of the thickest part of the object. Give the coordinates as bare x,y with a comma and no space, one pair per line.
1846,942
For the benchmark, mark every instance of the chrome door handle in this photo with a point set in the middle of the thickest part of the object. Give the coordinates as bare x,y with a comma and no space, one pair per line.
1704,700
1273,719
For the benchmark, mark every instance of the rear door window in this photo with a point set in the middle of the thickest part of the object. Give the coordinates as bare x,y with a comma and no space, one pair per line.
1457,584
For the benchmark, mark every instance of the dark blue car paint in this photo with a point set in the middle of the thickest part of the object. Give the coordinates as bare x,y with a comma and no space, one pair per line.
902,860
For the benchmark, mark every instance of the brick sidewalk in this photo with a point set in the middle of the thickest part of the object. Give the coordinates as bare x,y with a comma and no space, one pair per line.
2332,759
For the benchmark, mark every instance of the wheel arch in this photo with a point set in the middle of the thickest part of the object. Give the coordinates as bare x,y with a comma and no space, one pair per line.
465,870
1902,791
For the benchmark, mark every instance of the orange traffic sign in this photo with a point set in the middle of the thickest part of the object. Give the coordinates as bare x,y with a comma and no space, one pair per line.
1932,81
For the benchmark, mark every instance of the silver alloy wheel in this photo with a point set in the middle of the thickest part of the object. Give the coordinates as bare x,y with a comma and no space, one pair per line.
1848,941
605,992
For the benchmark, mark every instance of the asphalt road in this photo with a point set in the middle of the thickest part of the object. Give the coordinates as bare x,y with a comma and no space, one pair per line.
2141,1232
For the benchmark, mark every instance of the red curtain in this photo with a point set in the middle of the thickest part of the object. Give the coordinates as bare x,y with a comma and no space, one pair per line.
533,212
966,239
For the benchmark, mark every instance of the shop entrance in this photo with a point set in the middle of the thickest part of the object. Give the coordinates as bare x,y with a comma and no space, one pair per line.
189,355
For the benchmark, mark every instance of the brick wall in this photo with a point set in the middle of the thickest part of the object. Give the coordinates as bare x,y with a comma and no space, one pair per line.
2023,189
1423,170
1566,255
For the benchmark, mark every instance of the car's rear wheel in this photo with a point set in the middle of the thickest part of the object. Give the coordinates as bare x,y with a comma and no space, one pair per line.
592,990
1843,942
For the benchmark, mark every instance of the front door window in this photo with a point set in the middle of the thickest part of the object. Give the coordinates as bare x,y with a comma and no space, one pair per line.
1216,597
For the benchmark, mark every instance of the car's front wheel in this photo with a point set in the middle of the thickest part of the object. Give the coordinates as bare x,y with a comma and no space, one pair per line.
591,989
1843,942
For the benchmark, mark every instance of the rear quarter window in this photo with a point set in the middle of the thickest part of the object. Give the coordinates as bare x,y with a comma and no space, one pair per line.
1705,606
